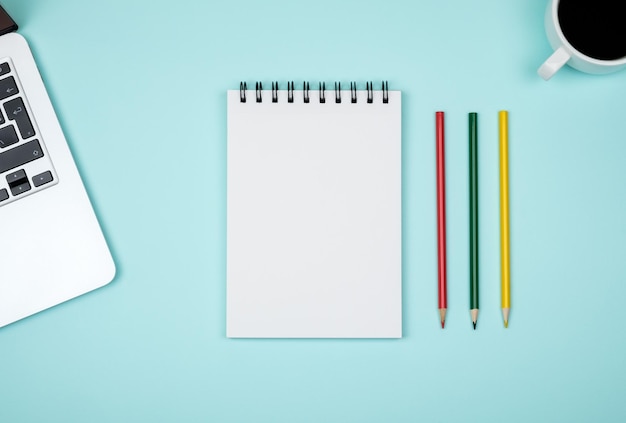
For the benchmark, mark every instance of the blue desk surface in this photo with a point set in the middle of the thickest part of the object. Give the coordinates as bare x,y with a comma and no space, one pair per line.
140,91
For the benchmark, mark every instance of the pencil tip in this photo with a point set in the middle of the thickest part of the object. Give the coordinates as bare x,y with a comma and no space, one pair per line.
506,323
443,322
474,323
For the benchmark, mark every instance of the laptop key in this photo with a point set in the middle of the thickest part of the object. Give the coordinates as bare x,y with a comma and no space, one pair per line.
8,87
16,177
16,111
22,154
8,136
20,188
4,194
42,178
18,182
4,68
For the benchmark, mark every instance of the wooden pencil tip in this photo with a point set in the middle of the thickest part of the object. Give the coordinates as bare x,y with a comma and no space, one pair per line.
443,322
505,316
474,314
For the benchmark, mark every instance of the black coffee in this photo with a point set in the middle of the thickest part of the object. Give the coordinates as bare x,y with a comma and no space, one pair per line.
596,28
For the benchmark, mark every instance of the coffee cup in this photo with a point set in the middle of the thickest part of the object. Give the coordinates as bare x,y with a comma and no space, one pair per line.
588,35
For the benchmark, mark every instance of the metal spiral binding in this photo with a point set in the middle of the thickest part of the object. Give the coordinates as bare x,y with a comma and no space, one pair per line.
290,92
385,92
259,90
243,88
305,92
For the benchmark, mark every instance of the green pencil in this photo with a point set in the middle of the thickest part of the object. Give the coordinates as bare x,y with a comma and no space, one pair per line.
473,189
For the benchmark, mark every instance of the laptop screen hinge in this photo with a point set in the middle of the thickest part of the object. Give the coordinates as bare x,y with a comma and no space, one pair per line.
7,24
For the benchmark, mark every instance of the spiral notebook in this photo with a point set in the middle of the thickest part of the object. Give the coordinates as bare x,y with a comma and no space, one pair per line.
314,212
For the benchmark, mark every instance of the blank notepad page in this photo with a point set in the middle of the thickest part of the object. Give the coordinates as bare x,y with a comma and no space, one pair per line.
314,216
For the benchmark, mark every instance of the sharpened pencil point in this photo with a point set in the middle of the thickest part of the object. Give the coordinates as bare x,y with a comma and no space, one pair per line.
443,322
474,314
505,316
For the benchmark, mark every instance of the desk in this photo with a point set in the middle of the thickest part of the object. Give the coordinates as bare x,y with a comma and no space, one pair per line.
140,90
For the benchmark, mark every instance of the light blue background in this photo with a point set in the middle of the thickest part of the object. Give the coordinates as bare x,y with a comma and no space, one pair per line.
140,86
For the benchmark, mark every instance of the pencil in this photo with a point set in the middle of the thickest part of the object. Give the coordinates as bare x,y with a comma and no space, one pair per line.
473,206
504,216
441,217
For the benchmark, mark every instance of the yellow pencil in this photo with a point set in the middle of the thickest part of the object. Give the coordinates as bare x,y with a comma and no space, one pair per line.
504,216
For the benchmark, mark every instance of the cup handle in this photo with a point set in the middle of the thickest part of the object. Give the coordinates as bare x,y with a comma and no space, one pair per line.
554,63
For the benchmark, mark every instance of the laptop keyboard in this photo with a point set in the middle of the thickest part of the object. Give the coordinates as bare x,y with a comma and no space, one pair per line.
25,167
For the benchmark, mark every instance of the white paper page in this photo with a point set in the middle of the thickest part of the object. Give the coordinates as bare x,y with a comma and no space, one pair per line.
314,217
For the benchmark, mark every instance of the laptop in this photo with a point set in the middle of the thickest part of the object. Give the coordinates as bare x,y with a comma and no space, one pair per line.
51,246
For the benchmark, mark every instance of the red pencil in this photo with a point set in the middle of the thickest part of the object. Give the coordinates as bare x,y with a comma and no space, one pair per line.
441,217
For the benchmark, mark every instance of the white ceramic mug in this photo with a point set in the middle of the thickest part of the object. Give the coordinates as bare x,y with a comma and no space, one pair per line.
564,52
